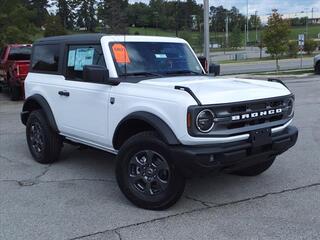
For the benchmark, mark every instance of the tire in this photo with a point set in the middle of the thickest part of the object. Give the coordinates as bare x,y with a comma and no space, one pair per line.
146,174
255,170
44,144
15,94
317,68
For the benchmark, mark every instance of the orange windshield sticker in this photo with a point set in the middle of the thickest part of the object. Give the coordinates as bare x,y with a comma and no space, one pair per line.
120,53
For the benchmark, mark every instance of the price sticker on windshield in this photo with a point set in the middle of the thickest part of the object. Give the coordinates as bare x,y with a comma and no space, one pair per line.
120,53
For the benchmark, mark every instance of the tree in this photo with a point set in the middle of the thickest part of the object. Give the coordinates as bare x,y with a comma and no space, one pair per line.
310,46
254,22
86,14
293,49
40,9
15,22
236,38
65,13
53,26
276,36
113,13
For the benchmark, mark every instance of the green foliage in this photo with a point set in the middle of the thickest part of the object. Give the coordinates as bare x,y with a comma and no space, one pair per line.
236,39
219,15
293,49
39,8
65,12
53,27
15,22
310,46
186,35
254,22
113,13
276,36
86,14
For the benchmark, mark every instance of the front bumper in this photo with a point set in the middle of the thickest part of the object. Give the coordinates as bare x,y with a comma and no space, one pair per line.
231,156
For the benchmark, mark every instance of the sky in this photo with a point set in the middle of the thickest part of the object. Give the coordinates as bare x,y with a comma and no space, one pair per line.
264,7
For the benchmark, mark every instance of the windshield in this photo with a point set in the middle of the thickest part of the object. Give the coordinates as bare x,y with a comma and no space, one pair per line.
153,59
20,53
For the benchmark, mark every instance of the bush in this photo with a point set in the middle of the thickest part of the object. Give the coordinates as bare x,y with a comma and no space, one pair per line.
310,46
293,49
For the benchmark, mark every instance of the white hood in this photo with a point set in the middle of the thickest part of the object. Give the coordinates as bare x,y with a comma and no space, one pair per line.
212,90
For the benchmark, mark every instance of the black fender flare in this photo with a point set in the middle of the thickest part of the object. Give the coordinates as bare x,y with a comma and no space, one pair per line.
42,102
154,121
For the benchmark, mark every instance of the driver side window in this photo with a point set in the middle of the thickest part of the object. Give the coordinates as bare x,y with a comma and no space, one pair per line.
80,56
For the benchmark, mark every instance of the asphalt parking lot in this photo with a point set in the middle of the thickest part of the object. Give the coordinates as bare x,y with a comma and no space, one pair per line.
78,198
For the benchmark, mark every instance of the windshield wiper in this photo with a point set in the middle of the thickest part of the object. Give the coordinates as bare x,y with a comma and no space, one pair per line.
183,72
142,74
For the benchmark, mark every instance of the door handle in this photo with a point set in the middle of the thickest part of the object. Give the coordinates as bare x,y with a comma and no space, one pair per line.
64,93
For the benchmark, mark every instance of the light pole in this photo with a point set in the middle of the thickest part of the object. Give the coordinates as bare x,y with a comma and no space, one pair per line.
227,31
206,29
247,28
256,22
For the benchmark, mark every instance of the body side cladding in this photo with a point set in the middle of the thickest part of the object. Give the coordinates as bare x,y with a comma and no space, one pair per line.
38,100
152,120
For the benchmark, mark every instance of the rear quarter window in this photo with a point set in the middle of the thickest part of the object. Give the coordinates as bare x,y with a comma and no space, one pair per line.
45,58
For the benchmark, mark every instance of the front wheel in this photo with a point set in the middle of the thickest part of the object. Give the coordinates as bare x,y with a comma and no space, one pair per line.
317,68
255,169
146,174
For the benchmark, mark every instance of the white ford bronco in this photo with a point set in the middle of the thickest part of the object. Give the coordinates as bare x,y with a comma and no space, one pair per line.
149,101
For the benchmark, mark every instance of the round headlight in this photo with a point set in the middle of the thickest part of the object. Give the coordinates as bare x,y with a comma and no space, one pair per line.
205,121
290,107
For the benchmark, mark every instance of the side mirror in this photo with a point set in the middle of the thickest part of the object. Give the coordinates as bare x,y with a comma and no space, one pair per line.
95,74
214,69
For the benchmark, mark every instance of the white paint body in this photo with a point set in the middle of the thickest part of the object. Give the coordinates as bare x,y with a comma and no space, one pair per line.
88,117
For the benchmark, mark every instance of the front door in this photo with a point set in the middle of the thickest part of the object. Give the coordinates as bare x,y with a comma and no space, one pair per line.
82,107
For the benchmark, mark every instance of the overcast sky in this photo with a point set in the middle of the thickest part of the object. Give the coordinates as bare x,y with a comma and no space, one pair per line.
264,6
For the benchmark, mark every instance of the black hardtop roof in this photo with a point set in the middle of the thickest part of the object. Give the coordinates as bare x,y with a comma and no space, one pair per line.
76,38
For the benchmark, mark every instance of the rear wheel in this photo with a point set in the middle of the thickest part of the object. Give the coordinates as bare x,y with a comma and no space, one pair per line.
15,93
146,173
255,169
44,144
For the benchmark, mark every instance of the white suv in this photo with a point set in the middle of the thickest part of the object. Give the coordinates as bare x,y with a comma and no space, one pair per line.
149,101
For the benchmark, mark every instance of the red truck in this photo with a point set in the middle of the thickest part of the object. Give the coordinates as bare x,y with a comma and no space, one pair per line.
14,67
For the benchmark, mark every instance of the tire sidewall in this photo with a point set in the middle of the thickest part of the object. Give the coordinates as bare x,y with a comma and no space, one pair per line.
37,117
176,182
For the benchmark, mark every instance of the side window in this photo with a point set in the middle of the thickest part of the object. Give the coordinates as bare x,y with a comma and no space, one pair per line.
80,56
45,58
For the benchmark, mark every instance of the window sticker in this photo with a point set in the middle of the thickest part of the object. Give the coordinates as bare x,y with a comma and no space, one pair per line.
161,55
71,58
120,53
84,56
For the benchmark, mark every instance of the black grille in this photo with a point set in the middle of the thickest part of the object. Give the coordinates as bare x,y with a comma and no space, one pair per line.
226,124
224,113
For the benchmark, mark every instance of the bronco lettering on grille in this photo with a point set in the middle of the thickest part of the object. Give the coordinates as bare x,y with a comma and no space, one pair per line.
256,114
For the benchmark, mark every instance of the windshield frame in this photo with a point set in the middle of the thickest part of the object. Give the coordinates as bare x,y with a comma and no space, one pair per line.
156,74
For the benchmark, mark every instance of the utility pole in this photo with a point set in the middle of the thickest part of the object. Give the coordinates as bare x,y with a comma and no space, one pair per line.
256,22
227,31
206,30
247,33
